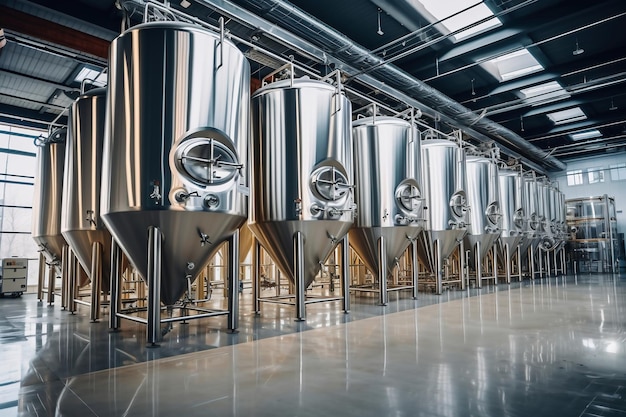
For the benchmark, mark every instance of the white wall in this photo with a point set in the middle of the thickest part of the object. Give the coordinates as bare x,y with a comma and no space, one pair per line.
616,189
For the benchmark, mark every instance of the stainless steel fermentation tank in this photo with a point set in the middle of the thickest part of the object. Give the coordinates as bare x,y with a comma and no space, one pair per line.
174,171
513,216
46,228
388,194
81,224
302,200
485,219
444,184
532,230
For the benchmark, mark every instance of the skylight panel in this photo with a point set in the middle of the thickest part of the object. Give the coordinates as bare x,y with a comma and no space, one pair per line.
513,65
587,134
546,91
567,116
442,10
87,73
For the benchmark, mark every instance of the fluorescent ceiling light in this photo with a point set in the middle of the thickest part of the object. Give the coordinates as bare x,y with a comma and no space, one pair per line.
538,93
587,134
443,9
567,116
513,65
87,73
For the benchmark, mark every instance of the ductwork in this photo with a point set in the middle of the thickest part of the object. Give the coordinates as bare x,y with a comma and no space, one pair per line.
351,58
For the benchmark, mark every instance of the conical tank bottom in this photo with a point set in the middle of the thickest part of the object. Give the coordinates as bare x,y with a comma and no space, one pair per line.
81,242
246,240
512,241
320,239
448,239
486,242
364,240
52,246
182,252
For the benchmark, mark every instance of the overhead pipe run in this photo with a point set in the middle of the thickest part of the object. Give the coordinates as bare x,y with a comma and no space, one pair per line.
334,47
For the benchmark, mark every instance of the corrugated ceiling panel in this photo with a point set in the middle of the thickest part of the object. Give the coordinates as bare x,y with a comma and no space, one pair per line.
19,103
26,60
24,87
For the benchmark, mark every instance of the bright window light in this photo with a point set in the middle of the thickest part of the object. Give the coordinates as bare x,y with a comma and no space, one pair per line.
546,91
442,10
513,65
567,116
91,74
587,134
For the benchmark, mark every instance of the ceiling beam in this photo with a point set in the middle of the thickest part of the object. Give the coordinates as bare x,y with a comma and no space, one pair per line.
24,23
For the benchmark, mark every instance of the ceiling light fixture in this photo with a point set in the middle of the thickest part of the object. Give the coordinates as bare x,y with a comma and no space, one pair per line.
578,50
184,4
613,107
380,31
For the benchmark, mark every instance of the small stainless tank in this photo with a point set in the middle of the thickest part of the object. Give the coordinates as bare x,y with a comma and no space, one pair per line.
175,155
513,216
443,179
302,159
388,190
530,205
484,205
544,201
81,224
48,194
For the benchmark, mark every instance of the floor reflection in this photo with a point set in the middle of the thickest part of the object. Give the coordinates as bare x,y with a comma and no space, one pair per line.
547,347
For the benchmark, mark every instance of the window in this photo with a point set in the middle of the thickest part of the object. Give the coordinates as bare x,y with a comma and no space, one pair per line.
457,14
17,171
587,134
595,175
539,93
575,177
618,172
567,116
513,65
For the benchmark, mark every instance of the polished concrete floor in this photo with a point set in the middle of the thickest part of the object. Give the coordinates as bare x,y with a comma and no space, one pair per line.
551,347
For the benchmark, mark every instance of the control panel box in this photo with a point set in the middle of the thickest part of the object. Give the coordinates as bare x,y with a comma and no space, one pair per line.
14,276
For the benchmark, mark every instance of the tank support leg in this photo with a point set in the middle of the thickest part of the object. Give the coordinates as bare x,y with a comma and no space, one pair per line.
540,257
96,281
154,285
41,277
51,283
415,270
531,261
547,263
71,278
519,263
116,282
495,263
233,282
563,265
461,266
256,282
438,267
478,265
382,271
64,277
507,255
345,273
298,267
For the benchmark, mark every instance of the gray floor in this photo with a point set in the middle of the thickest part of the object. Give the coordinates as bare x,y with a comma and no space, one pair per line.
554,347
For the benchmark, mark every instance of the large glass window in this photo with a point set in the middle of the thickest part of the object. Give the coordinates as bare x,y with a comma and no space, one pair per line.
595,175
618,172
17,172
575,177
